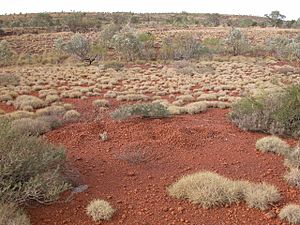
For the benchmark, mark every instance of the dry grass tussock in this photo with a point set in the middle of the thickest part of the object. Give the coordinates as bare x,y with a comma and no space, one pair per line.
210,190
290,213
273,144
11,215
100,210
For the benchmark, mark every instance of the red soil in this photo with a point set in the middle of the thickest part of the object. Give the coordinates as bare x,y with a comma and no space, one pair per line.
173,147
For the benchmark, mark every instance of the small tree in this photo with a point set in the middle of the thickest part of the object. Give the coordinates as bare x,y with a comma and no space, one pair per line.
42,20
80,47
275,18
236,41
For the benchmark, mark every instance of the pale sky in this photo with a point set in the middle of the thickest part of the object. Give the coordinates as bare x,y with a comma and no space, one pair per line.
290,8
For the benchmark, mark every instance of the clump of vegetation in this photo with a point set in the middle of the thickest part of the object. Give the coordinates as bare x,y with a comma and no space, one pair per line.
79,47
293,177
260,195
276,113
30,168
11,215
103,136
272,144
127,44
28,101
100,210
292,159
285,48
72,116
210,190
9,79
207,189
182,46
145,110
117,66
236,41
6,53
290,213
101,103
30,126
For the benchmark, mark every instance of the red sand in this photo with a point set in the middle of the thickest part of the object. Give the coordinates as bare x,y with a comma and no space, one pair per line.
173,147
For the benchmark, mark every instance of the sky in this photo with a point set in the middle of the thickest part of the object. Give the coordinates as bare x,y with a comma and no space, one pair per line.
290,8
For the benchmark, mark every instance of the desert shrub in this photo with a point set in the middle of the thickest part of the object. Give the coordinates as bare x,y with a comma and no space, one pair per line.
260,195
213,20
213,44
11,215
42,20
24,101
196,107
292,159
30,126
145,110
293,177
107,34
127,44
6,53
30,168
103,136
147,48
236,41
272,144
117,66
270,112
207,189
9,79
182,46
81,48
210,190
290,213
101,103
72,116
284,47
100,210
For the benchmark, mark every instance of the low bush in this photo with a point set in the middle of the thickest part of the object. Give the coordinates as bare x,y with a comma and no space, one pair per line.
30,126
210,190
117,66
260,195
293,177
72,116
29,168
290,213
284,48
6,53
145,110
100,210
25,101
11,215
272,144
9,79
236,41
275,113
182,46
292,159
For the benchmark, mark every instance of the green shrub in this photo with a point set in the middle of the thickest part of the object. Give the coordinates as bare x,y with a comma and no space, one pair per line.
276,113
29,168
6,53
11,215
284,48
290,213
182,46
107,34
127,44
145,110
236,41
